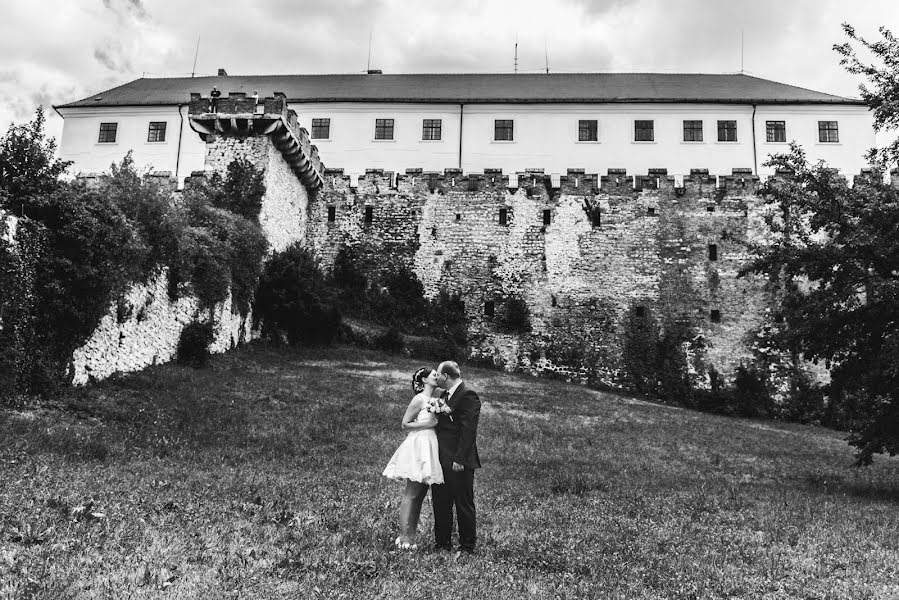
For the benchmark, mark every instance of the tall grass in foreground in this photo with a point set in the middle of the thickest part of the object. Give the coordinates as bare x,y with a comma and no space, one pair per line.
259,477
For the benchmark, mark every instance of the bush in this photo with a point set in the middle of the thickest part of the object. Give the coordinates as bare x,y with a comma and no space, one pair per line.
219,251
242,190
640,350
294,301
514,316
193,346
751,398
447,322
390,341
150,213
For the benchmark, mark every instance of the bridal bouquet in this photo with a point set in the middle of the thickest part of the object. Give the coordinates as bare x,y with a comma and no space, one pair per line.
438,405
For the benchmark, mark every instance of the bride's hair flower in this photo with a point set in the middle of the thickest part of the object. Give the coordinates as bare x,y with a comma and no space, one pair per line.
418,379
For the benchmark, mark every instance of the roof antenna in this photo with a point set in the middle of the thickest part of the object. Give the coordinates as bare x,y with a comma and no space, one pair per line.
546,55
368,66
516,53
196,54
741,52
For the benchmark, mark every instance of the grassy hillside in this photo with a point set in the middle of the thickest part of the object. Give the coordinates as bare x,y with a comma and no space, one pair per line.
260,478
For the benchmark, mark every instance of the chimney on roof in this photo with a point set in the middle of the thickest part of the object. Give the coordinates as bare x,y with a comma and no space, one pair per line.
223,73
375,72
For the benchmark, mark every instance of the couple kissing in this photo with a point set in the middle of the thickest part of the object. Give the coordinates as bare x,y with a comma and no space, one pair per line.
440,451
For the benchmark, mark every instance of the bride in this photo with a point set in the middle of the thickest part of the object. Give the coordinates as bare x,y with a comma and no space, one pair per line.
416,460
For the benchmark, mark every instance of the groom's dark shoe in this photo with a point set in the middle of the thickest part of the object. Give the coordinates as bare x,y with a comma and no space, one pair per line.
442,548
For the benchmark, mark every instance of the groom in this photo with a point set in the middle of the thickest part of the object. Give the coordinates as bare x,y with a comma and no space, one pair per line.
456,438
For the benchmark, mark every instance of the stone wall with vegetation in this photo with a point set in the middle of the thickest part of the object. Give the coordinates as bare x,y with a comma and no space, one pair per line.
555,274
144,326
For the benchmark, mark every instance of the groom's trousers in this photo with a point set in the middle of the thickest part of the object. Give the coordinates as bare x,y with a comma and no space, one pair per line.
457,490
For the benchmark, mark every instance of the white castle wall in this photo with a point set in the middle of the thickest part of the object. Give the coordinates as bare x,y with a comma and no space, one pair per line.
148,333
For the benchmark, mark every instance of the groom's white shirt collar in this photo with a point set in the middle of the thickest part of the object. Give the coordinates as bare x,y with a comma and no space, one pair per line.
452,390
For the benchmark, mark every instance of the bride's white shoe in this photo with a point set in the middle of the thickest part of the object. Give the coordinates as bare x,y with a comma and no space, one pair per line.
401,545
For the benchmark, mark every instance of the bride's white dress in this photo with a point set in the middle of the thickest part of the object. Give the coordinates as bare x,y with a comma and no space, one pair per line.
417,458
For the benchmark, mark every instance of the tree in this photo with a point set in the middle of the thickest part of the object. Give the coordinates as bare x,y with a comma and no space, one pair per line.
28,165
834,259
294,300
882,91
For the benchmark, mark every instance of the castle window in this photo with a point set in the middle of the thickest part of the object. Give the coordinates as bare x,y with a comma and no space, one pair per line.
107,133
502,130
828,132
651,210
547,217
383,129
644,131
472,183
504,216
587,130
332,214
710,208
713,252
776,131
157,131
489,309
554,301
458,216
727,131
321,129
431,129
716,315
369,214
692,131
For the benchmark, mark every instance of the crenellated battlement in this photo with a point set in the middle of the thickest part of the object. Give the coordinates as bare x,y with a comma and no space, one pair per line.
739,182
238,115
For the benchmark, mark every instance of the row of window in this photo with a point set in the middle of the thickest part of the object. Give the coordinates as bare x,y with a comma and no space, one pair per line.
108,132
504,130
588,130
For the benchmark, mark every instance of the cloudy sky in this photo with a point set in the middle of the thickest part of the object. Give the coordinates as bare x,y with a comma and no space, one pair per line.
57,51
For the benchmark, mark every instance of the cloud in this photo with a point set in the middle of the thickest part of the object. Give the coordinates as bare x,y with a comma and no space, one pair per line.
121,8
112,57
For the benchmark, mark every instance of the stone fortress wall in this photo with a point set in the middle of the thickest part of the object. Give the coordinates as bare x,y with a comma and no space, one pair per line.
582,250
586,253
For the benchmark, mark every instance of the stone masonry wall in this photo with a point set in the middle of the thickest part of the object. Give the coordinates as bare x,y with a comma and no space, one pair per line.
284,209
580,253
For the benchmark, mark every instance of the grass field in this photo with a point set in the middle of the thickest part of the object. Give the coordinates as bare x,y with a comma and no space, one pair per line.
259,477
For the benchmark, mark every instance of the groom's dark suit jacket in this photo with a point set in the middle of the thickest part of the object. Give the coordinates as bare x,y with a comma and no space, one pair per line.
457,433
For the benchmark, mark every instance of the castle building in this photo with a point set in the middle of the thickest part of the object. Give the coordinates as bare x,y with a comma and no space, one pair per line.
472,122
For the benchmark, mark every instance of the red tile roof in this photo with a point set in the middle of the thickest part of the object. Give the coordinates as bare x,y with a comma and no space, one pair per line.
473,88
